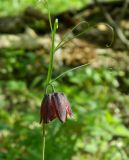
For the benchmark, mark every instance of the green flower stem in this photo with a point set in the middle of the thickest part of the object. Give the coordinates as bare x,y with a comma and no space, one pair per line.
43,141
48,81
49,14
51,60
49,75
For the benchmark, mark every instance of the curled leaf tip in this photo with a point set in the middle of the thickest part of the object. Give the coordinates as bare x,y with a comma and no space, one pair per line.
112,33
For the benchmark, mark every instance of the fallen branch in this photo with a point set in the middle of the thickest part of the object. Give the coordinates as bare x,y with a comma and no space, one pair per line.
118,30
27,40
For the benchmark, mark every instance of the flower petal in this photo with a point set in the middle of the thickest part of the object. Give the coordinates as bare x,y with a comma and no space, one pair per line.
44,110
67,105
59,103
52,110
48,112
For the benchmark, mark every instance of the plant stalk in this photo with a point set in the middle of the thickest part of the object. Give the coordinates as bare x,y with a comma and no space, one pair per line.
49,75
43,141
51,60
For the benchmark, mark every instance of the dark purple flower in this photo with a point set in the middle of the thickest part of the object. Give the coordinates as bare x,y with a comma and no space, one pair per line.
55,105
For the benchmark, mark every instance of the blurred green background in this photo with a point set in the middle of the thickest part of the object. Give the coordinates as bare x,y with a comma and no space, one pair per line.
99,96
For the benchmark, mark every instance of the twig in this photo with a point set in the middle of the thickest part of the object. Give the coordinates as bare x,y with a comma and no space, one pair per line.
124,9
113,24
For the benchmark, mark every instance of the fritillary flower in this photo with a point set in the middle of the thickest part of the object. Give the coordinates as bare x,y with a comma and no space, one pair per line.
55,105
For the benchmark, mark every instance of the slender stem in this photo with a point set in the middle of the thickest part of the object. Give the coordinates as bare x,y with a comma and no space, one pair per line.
48,81
49,15
52,51
51,60
49,75
43,141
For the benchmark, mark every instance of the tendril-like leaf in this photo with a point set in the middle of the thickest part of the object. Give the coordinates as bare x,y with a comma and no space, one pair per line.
66,38
64,73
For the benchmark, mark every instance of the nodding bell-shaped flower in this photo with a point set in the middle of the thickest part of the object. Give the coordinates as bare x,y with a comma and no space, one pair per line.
55,105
